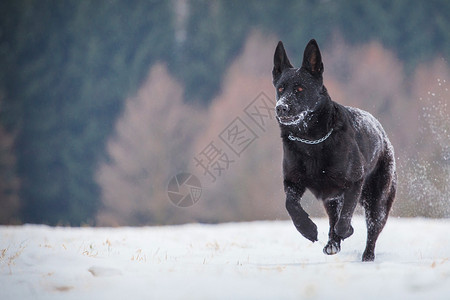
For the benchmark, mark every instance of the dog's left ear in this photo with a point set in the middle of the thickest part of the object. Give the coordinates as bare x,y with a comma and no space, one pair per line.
312,60
280,61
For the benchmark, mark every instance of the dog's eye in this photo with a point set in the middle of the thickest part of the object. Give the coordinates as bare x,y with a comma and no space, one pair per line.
298,89
280,89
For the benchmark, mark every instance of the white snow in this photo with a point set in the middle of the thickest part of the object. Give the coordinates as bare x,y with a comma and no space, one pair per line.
257,260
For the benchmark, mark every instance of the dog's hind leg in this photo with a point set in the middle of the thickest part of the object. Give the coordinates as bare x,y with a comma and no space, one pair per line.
376,218
333,207
378,196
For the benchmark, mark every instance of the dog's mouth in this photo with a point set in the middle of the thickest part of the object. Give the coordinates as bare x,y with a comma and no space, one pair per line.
289,120
292,120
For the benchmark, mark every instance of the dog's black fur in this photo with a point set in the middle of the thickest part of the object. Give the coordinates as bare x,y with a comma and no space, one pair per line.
341,154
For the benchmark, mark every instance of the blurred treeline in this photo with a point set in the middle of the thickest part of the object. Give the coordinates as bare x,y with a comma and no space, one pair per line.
101,102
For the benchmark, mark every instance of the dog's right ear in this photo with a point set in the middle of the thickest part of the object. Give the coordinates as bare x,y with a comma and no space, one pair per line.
312,59
280,61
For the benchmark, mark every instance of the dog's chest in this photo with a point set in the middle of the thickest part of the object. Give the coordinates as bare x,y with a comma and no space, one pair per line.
318,173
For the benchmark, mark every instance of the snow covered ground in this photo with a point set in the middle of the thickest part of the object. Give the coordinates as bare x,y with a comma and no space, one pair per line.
257,260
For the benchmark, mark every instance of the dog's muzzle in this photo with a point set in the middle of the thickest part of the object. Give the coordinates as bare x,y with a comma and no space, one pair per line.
282,109
285,118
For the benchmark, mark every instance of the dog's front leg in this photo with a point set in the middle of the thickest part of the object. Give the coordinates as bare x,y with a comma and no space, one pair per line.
343,228
302,222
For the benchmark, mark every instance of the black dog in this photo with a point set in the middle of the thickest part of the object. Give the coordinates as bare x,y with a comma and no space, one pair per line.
341,154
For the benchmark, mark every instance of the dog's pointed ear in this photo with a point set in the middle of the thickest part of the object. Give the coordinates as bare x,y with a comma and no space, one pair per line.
312,59
280,61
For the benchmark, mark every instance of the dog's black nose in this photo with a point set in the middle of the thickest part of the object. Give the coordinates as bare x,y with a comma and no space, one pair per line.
282,109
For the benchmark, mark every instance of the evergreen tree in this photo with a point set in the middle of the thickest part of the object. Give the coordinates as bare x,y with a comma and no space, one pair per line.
69,66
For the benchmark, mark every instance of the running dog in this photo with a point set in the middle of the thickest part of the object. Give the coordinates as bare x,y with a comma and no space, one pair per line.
341,154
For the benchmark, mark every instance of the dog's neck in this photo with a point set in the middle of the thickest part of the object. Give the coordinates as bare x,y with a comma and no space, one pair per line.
310,142
319,127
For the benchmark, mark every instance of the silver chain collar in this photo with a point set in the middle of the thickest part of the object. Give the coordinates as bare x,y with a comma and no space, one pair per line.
309,142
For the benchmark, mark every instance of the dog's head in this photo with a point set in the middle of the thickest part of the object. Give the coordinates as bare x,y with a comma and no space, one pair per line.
300,91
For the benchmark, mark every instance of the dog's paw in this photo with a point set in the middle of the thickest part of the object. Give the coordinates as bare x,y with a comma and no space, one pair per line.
332,248
343,230
368,256
308,229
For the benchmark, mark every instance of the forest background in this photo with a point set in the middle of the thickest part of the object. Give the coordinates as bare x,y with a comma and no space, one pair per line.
102,103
